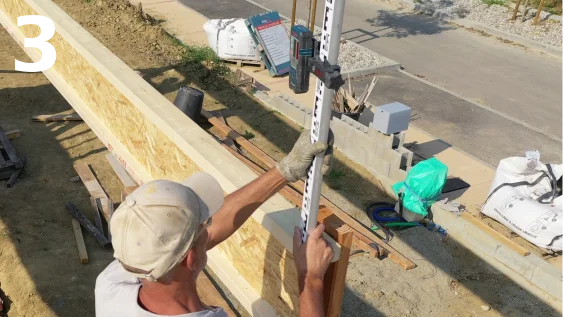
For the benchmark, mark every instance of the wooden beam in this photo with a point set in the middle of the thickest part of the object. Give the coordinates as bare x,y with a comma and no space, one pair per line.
57,117
78,215
96,207
495,234
82,253
13,134
335,277
363,233
515,12
153,139
92,185
210,296
89,180
122,174
538,13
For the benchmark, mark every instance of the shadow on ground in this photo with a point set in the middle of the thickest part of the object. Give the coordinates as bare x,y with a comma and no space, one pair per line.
398,25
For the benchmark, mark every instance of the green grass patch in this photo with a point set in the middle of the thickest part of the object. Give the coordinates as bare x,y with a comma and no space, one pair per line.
495,2
248,135
334,178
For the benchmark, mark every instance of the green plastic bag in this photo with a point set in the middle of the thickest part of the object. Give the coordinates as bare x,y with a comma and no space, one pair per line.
423,185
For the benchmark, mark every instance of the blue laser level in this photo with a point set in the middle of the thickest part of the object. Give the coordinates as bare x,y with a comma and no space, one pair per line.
304,59
301,50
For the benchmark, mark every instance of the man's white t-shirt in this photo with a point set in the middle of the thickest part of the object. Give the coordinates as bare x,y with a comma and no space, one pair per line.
117,291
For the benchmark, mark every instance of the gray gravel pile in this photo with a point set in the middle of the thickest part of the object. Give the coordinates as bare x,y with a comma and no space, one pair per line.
351,56
547,32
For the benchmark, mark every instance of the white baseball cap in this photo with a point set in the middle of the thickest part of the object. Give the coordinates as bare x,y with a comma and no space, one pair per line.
155,227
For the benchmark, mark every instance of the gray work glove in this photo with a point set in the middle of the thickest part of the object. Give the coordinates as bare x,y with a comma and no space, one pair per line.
294,166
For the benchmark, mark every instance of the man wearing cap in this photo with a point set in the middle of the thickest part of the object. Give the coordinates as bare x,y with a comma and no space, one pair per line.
162,231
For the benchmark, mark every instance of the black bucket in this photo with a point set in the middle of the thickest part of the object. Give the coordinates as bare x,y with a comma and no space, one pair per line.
190,101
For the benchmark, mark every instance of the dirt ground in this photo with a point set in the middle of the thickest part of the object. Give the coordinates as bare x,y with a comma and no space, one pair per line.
40,274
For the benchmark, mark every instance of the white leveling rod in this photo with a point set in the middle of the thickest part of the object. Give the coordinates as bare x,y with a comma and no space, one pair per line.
328,52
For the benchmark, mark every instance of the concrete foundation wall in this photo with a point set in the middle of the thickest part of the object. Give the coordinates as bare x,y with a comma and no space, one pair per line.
383,155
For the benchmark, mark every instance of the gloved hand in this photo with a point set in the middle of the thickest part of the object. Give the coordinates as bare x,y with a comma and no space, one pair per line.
294,166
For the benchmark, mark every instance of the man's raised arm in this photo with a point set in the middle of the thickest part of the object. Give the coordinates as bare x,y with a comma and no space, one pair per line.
240,205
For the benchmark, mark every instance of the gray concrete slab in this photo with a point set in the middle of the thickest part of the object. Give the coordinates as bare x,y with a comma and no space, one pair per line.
487,136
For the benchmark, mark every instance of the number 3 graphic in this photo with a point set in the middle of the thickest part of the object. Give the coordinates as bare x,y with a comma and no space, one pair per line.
49,55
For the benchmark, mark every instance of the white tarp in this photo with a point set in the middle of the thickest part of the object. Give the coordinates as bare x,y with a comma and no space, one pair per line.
524,197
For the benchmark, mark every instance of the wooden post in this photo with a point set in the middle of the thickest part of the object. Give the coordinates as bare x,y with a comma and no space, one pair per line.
515,13
313,13
335,277
537,18
293,8
525,10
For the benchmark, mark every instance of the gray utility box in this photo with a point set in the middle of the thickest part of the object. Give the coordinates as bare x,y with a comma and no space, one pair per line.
391,118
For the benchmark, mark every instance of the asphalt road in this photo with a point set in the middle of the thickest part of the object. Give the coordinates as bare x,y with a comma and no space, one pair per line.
515,83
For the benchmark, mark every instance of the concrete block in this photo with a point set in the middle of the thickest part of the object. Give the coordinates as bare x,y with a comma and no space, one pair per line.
276,103
364,140
308,120
515,261
377,164
547,278
297,114
407,156
391,156
282,106
397,175
454,225
479,242
341,133
358,153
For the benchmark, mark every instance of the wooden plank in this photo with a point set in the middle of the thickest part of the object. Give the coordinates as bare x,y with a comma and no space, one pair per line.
57,117
154,140
209,294
122,174
73,211
495,234
89,180
82,253
233,135
96,206
335,277
13,134
372,249
110,208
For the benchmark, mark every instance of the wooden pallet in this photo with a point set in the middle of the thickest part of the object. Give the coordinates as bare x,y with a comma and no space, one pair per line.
241,63
10,164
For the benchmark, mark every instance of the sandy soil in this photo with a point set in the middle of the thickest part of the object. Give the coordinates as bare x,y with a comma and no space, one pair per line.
39,270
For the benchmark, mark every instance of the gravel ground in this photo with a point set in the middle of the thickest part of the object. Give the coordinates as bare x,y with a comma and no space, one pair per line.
546,32
351,56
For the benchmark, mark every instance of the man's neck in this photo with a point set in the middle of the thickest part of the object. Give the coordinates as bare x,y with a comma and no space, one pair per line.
175,298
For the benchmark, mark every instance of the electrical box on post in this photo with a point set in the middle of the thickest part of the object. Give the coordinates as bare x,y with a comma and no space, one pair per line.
300,51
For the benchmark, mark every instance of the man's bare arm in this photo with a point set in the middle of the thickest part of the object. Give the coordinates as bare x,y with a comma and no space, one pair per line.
240,205
311,298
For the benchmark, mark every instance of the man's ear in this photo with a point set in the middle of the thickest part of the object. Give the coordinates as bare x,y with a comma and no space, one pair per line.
191,260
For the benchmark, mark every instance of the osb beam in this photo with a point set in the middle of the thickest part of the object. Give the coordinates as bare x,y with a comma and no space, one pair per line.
154,140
